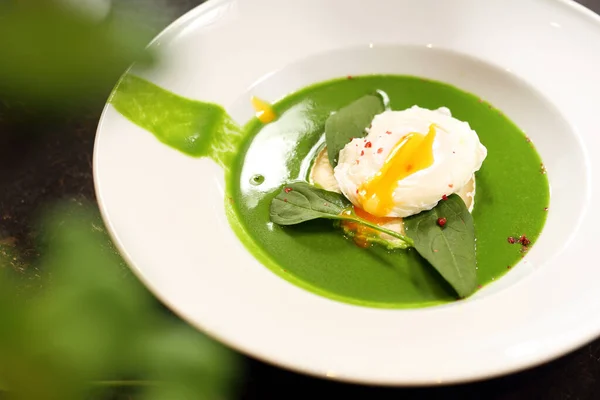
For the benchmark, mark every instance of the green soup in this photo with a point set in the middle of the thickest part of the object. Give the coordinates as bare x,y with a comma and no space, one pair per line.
511,198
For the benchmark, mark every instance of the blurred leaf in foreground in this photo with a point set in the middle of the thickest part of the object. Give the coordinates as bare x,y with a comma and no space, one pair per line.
90,323
50,52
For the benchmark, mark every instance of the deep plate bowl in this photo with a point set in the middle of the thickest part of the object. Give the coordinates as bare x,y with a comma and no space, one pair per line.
536,60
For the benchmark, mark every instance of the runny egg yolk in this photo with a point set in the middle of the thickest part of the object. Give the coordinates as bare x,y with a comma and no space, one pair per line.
264,111
412,153
362,232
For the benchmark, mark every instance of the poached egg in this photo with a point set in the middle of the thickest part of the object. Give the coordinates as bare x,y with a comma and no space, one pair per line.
408,161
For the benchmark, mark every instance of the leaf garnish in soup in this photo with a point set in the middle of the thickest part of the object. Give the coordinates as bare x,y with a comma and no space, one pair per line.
300,202
445,237
350,122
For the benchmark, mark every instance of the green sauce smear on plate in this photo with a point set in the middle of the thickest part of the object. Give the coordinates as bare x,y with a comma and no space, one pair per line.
511,199
196,128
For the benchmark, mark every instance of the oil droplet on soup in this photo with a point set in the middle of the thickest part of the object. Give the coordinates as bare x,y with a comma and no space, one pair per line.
257,179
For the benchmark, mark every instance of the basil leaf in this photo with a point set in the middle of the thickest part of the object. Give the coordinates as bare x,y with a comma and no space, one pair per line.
350,122
299,202
449,249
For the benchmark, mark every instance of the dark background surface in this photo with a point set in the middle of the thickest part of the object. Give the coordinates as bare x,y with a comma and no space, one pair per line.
46,159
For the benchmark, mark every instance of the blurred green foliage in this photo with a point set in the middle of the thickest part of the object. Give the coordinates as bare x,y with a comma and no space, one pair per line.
89,326
51,54
89,323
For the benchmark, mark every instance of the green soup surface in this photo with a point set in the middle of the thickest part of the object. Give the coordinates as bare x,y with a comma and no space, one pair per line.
511,199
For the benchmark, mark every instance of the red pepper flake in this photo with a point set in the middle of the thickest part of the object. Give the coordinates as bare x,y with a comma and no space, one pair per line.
368,145
480,100
380,150
287,189
285,200
450,186
357,162
349,76
388,132
512,240
479,286
356,191
441,222
362,153
524,241
545,208
508,267
444,197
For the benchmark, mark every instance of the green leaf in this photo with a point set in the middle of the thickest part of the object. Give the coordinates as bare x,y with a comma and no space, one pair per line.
91,320
350,122
186,364
449,249
55,55
300,202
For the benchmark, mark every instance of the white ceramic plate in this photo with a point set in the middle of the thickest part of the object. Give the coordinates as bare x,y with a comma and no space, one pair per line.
537,60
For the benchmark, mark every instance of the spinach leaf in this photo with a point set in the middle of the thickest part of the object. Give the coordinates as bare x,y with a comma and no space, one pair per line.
300,202
350,122
450,248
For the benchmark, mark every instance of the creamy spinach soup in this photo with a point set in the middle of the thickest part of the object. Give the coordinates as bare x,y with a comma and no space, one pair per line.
384,191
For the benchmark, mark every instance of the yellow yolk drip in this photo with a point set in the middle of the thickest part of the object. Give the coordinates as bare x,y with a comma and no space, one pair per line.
264,111
413,153
361,232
